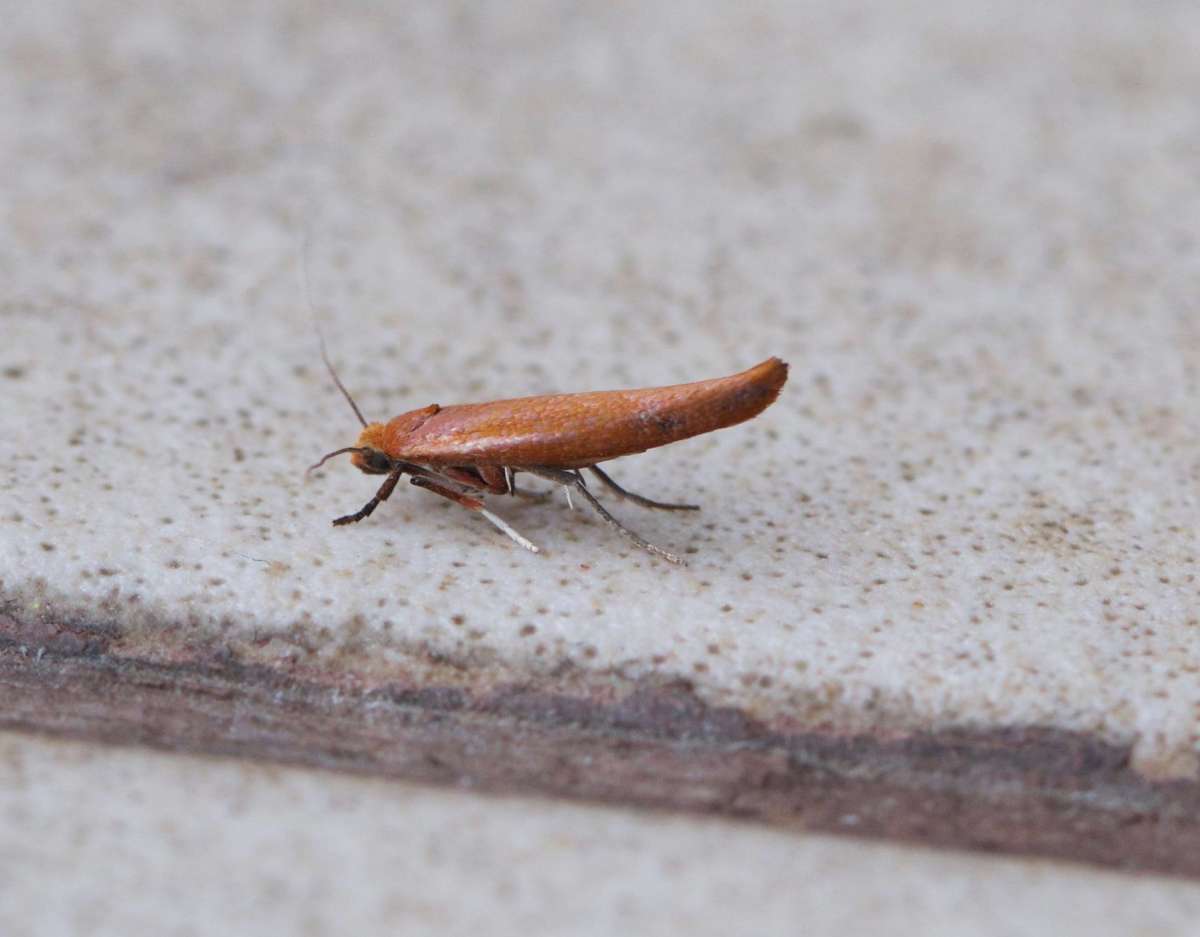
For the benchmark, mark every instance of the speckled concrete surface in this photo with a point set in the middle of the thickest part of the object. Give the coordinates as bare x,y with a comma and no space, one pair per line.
971,231
191,846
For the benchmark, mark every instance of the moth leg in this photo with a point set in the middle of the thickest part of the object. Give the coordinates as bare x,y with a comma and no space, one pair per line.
487,478
384,492
574,480
496,478
510,476
472,504
567,489
635,498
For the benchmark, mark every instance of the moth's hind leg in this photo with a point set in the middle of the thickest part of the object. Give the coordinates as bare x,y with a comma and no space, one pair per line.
635,498
472,504
572,479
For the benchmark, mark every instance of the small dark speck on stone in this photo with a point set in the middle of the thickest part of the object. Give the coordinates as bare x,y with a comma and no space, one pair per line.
13,372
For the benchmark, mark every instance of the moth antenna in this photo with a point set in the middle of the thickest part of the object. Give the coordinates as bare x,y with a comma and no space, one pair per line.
321,337
325,458
337,381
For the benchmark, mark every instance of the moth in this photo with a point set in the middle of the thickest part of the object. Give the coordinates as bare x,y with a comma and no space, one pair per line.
466,451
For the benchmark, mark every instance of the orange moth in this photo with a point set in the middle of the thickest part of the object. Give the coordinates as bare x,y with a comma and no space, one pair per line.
465,451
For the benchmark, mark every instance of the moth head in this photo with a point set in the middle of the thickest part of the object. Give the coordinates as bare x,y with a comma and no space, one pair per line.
367,455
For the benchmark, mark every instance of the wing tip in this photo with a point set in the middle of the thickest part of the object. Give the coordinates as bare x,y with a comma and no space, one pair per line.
772,373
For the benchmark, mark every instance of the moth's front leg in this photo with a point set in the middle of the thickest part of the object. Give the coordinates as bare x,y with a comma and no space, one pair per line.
384,492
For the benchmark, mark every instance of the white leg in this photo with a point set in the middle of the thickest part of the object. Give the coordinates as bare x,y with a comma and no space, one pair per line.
503,525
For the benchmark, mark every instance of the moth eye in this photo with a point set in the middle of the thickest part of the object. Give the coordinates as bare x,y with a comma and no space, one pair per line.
379,462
